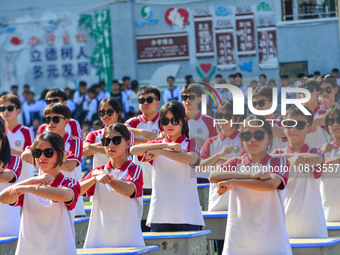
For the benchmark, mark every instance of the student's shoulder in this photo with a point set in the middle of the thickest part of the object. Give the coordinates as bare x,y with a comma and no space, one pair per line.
315,150
42,128
280,160
134,121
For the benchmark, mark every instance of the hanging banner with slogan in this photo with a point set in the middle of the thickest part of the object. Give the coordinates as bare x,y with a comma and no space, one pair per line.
225,48
245,34
266,36
204,36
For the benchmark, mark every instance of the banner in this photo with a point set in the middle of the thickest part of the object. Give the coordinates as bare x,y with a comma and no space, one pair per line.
225,48
204,36
245,34
266,36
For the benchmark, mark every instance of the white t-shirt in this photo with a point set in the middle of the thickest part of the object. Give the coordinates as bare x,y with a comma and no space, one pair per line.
211,147
320,136
303,206
174,198
330,187
175,95
115,218
142,123
256,219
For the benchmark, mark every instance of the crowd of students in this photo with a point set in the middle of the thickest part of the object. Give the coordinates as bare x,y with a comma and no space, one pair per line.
279,176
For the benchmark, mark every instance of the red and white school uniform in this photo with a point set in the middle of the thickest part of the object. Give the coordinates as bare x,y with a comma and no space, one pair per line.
202,127
330,187
19,138
303,206
100,159
73,128
9,215
115,218
278,142
174,198
256,219
211,147
47,227
142,123
320,136
74,151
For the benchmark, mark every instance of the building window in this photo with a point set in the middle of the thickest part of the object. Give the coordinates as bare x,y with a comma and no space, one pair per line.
308,9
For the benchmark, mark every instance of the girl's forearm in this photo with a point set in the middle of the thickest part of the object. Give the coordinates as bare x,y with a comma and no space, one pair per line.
141,149
227,175
86,184
122,187
182,157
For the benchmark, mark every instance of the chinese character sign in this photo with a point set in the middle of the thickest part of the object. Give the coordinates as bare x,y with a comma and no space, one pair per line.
225,48
266,36
204,36
245,35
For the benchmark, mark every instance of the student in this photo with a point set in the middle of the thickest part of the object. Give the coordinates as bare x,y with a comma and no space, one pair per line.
149,100
109,112
329,89
263,100
218,149
133,97
262,80
172,92
174,201
330,182
47,202
30,109
19,136
117,189
303,206
57,117
256,217
318,135
10,170
54,96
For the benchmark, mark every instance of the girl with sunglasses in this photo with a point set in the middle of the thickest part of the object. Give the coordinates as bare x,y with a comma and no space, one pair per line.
174,200
47,202
328,90
10,170
330,182
256,195
117,189
109,112
56,118
303,206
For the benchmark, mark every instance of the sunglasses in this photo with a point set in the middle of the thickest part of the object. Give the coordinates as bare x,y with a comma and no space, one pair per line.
36,153
9,108
55,119
50,101
165,121
191,97
116,140
258,135
260,103
328,90
227,116
331,121
149,100
300,125
109,112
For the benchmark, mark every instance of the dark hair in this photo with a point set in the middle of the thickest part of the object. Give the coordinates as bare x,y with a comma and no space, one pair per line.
82,84
178,110
56,93
228,106
266,92
300,75
262,120
126,78
239,75
114,103
192,88
57,143
97,122
284,77
231,76
14,87
317,73
122,129
188,79
101,83
150,89
335,70
92,89
134,84
328,79
43,94
5,152
331,111
115,81
295,111
26,86
58,108
218,76
262,75
306,83
11,98
170,77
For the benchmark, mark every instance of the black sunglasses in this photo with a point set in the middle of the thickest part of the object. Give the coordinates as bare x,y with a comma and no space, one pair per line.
165,121
227,116
149,100
55,119
328,90
36,153
50,101
109,112
300,125
246,136
191,97
331,121
116,140
260,103
9,108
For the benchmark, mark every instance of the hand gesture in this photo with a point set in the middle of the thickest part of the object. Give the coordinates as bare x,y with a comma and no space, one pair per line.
149,135
227,150
324,102
44,179
18,190
328,147
261,175
104,178
98,172
297,160
152,154
223,187
175,147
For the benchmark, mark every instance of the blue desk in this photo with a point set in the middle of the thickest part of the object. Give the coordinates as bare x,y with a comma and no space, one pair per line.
118,250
